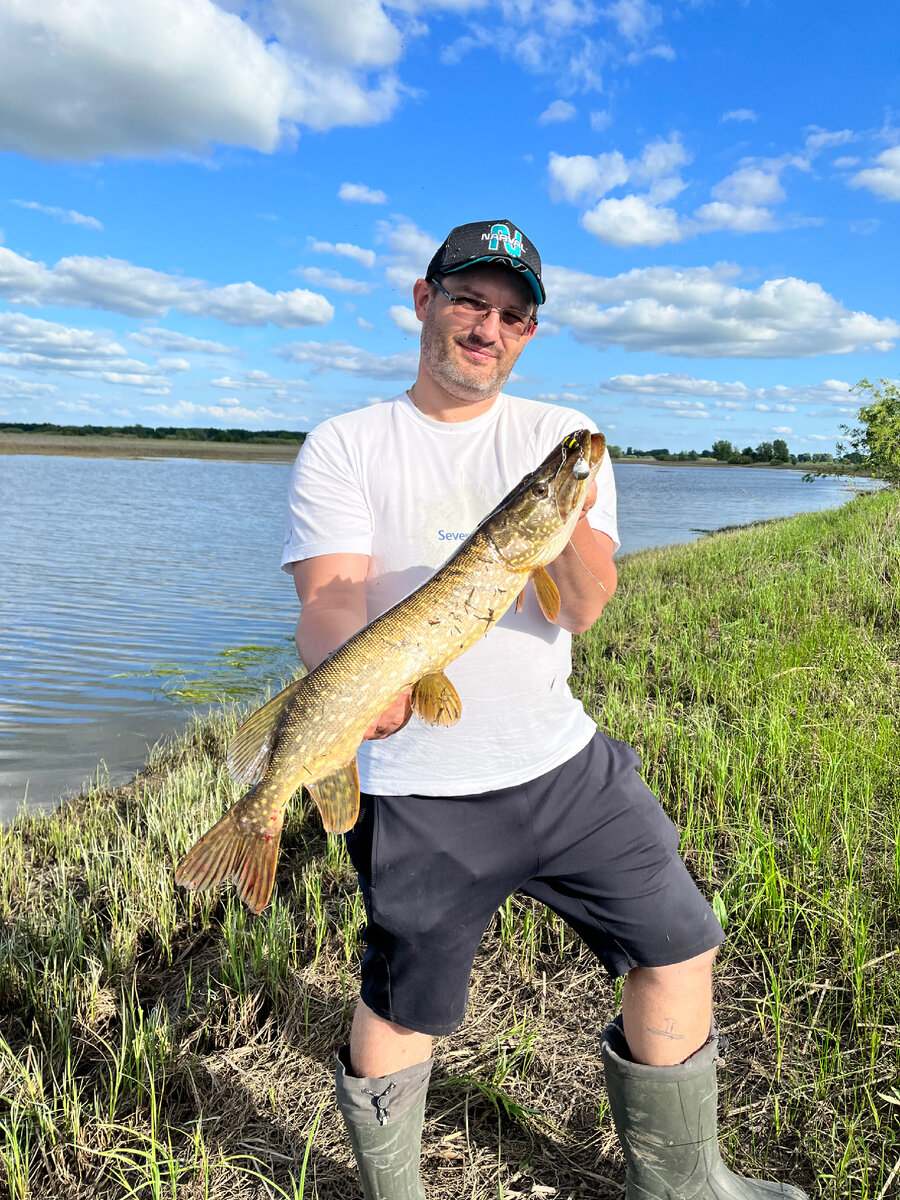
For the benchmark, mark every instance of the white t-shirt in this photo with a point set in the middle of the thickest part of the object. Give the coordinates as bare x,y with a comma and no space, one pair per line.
393,484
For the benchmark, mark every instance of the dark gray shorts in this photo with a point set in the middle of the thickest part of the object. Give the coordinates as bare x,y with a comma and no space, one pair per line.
588,839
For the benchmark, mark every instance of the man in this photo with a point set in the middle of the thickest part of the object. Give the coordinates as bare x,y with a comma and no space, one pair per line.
523,793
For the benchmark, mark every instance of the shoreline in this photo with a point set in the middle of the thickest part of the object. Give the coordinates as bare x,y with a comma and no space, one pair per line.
94,446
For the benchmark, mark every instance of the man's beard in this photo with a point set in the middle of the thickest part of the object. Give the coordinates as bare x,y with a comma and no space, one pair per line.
452,375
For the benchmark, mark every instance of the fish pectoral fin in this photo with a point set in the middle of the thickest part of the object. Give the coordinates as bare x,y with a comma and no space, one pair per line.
337,797
547,594
251,747
436,701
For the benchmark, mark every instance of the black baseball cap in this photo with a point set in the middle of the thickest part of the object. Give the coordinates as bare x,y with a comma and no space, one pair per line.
489,242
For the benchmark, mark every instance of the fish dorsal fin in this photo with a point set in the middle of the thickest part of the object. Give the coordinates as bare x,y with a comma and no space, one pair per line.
251,747
436,701
337,797
547,594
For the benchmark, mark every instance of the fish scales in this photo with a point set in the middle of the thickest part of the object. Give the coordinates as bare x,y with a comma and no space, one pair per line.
308,735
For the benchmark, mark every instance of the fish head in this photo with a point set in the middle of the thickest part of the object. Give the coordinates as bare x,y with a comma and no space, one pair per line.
532,525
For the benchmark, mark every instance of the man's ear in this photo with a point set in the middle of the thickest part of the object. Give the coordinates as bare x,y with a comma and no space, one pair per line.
422,295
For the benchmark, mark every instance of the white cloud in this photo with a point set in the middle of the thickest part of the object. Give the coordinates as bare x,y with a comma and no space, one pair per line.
750,185
118,286
364,324
169,339
341,356
335,281
405,319
559,110
585,176
229,410
150,76
346,249
738,114
702,312
818,139
883,180
411,250
600,120
359,193
173,364
740,218
632,221
280,388
18,389
845,161
782,429
634,18
726,394
67,215
36,345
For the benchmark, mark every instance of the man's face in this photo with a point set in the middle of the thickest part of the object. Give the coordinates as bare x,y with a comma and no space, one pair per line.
470,358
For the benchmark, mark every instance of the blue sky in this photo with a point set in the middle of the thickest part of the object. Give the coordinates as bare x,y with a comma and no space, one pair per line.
213,214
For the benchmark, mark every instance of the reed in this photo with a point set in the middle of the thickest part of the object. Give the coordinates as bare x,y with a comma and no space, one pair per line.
161,1044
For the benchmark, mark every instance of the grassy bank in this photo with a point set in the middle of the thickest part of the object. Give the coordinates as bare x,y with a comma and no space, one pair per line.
158,1044
135,447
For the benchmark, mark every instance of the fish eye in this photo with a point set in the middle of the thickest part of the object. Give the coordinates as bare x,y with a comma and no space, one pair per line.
540,489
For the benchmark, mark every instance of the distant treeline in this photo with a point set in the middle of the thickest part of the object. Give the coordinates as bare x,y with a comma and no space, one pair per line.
264,437
775,453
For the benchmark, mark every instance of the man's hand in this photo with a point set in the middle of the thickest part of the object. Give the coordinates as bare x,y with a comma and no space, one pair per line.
393,718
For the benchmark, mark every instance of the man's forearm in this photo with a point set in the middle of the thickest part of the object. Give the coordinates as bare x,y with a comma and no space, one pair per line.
585,575
321,630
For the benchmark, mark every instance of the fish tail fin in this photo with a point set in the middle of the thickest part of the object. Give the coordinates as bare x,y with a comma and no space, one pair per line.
236,850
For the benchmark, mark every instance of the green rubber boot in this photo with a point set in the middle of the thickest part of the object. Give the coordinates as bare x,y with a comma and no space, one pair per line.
384,1119
666,1121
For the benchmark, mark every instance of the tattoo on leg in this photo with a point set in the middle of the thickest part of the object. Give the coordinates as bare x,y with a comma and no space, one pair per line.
668,1032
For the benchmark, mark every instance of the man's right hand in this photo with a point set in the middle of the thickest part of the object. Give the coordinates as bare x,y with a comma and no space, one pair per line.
393,718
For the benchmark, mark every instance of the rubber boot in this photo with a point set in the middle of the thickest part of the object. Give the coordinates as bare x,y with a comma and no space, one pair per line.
666,1121
384,1119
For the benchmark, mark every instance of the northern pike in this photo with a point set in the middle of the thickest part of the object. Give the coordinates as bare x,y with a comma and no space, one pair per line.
309,733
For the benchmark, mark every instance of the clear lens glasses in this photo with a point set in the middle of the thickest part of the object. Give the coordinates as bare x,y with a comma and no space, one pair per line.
512,320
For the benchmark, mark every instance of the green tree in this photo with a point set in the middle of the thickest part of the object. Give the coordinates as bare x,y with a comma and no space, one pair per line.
877,438
780,450
764,452
722,450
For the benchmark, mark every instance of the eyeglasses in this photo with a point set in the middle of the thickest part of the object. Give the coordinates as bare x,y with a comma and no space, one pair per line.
512,321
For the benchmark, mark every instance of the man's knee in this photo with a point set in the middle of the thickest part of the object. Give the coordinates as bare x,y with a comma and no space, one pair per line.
691,969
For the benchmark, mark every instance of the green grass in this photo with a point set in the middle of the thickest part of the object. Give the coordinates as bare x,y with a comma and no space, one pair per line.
160,1044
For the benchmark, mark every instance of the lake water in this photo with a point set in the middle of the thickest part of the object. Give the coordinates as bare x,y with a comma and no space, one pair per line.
122,577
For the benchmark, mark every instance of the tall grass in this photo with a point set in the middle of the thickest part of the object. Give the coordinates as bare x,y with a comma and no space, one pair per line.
161,1044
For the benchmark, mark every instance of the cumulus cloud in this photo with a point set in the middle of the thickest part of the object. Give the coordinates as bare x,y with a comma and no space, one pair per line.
346,249
731,394
335,281
118,286
230,410
67,215
738,114
359,193
632,221
281,389
557,111
158,338
150,76
410,250
704,312
37,345
19,389
405,319
341,356
883,179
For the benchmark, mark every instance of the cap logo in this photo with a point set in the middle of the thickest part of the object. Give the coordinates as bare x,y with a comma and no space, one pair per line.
500,233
